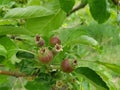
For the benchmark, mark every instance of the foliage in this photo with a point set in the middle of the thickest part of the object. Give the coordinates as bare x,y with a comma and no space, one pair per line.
28,60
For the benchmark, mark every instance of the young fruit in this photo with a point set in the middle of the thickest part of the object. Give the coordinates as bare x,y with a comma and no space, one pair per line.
68,65
40,43
37,38
55,40
45,55
57,48
59,84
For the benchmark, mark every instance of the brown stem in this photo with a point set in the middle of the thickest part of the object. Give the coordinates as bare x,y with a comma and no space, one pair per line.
116,2
80,6
1,65
15,74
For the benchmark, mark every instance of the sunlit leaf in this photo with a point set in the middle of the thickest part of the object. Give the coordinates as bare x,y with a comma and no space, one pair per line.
28,12
113,67
33,2
77,35
44,25
13,30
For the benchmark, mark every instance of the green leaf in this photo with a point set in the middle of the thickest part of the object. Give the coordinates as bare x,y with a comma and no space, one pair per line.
5,83
10,47
7,22
67,5
3,2
106,76
70,33
99,10
84,2
25,54
37,85
3,79
28,12
102,32
92,77
85,85
4,88
84,39
43,25
13,30
76,35
8,82
26,66
3,53
112,67
11,51
33,2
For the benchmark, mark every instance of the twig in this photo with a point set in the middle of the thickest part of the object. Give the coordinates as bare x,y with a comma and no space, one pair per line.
15,74
80,6
116,2
1,65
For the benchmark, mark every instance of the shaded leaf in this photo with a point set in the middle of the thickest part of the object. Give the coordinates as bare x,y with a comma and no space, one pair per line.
4,88
92,77
106,76
25,54
26,66
37,85
67,5
99,10
11,49
3,53
84,2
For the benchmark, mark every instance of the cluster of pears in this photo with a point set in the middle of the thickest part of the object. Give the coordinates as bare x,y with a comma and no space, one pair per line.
46,55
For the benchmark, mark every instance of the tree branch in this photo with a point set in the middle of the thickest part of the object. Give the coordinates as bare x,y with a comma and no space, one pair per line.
80,6
1,65
15,74
116,2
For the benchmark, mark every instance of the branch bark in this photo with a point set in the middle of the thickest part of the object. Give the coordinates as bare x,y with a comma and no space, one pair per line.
80,6
15,74
1,65
116,2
